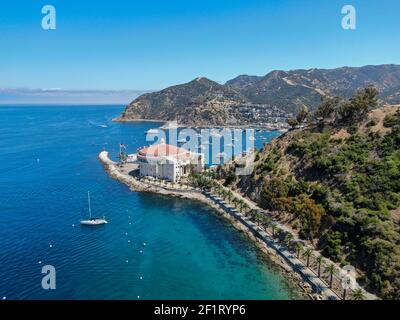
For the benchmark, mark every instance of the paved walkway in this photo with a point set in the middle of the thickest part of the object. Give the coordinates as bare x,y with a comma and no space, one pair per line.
253,205
297,265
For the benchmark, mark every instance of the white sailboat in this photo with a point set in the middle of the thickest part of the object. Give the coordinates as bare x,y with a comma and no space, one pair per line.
93,221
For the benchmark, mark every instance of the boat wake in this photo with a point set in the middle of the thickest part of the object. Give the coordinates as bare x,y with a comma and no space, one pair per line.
97,124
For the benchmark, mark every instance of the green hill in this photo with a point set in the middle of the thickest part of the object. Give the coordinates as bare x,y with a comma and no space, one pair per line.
337,183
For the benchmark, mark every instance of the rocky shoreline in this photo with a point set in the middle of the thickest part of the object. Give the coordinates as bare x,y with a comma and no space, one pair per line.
305,290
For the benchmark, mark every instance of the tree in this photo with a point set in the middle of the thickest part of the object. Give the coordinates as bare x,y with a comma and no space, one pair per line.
266,221
289,238
245,207
358,294
331,269
292,122
327,108
230,196
344,293
359,105
272,193
258,217
299,248
240,204
309,213
320,259
274,228
302,115
308,253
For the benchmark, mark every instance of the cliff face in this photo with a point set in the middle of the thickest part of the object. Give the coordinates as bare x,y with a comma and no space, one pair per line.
203,101
338,185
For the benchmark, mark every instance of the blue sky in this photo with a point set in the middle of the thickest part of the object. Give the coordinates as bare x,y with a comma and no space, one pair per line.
149,44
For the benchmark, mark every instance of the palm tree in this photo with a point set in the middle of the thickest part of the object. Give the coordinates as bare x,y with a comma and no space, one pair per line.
240,204
259,218
320,259
358,294
308,253
230,195
266,221
299,248
274,228
331,269
246,207
278,233
288,239
223,194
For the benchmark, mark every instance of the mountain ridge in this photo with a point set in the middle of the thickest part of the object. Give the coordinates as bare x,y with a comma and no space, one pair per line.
204,101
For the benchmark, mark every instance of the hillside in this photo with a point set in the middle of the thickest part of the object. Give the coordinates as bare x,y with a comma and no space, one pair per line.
337,183
247,99
293,89
199,102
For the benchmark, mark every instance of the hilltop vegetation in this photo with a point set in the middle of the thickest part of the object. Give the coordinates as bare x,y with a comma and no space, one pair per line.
337,183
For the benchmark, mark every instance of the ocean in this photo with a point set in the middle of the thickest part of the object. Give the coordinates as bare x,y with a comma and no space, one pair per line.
154,247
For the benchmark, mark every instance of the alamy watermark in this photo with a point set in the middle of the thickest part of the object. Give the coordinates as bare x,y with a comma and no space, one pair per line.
349,21
215,145
49,20
49,280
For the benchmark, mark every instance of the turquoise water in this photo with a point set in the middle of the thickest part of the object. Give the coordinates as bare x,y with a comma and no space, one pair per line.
48,163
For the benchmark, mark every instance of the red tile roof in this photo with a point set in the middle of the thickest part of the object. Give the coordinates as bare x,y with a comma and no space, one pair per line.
163,149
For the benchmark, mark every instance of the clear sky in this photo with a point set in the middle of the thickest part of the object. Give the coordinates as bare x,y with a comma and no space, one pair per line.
151,44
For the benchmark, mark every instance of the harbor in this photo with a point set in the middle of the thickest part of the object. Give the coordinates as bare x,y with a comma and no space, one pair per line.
190,252
310,283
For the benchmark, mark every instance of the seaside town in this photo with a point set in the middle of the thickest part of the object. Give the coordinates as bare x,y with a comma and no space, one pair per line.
200,158
174,171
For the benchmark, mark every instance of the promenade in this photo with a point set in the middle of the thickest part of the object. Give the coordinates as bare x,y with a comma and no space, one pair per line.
272,244
317,284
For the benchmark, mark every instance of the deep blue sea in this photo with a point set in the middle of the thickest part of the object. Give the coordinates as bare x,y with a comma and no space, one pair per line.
48,158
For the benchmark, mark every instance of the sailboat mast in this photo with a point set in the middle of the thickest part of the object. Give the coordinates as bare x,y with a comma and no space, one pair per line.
90,210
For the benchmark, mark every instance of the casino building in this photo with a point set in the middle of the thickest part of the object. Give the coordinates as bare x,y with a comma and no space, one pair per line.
168,162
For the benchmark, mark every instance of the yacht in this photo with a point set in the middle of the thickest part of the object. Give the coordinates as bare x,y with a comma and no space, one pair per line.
152,131
93,221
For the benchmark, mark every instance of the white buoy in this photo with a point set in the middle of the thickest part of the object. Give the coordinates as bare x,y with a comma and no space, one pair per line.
4,298
144,244
138,297
141,278
51,246
141,251
127,261
40,262
129,240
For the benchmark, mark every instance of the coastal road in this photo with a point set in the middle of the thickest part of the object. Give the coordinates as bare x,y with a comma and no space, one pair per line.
297,265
